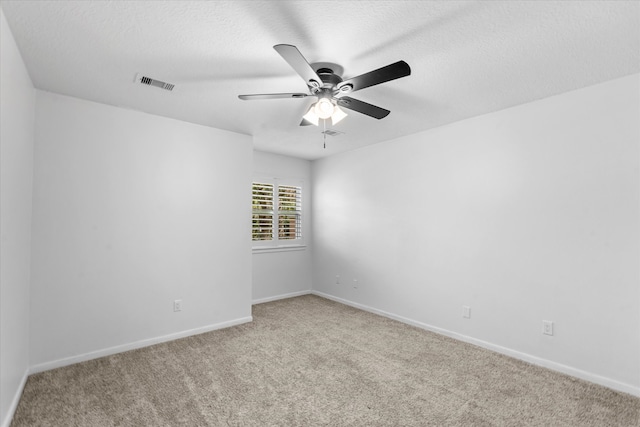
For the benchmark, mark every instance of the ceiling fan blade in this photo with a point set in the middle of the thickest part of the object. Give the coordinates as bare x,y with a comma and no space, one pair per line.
305,122
381,75
292,55
362,107
272,96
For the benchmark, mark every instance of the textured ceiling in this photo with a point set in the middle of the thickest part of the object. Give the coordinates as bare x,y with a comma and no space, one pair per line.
467,58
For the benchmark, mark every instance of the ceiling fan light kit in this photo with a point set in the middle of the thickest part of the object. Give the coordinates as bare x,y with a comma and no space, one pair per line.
324,109
331,90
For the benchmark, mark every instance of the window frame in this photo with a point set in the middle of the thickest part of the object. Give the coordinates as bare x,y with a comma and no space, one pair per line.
276,244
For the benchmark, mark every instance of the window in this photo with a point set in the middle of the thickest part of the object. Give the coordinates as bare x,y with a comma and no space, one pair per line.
262,228
277,214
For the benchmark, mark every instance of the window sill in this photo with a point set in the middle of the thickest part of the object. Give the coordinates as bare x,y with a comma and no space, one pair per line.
268,249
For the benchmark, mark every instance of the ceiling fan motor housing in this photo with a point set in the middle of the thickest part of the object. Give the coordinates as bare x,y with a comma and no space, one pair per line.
329,79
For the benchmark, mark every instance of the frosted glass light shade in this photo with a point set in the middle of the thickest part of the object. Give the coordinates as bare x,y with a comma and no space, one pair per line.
311,116
324,108
337,115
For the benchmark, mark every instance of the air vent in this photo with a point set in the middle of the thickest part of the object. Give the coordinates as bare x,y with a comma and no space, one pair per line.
331,132
153,82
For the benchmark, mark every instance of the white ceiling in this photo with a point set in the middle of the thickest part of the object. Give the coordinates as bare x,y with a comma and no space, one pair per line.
467,58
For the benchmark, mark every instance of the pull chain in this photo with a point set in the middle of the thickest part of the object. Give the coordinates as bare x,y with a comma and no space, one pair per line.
324,134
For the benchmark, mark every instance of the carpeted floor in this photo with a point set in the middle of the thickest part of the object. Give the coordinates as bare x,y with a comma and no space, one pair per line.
308,361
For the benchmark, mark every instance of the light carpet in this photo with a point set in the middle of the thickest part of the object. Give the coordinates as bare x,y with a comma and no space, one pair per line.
308,361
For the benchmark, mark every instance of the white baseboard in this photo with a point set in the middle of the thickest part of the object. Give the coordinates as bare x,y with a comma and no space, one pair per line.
283,296
16,399
134,345
578,373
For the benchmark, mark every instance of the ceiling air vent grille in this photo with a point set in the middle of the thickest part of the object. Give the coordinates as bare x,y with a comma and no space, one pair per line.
332,132
153,82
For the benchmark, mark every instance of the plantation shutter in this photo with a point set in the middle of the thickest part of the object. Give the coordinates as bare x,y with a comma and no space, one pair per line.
289,212
263,212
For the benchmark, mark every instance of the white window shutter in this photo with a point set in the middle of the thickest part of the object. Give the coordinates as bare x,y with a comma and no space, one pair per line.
263,212
289,212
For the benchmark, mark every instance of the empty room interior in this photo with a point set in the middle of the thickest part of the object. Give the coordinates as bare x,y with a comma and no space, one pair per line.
320,213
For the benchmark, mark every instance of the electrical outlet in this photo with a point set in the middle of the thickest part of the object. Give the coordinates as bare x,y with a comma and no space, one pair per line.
177,305
466,312
547,327
337,279
355,283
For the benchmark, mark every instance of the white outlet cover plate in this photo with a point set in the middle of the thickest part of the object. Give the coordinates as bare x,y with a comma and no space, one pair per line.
466,312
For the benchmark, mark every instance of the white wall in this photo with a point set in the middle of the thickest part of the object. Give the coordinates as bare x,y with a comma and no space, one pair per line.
16,173
131,212
525,214
280,274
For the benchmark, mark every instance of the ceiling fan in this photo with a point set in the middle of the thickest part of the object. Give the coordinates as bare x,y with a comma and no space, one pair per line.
332,92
